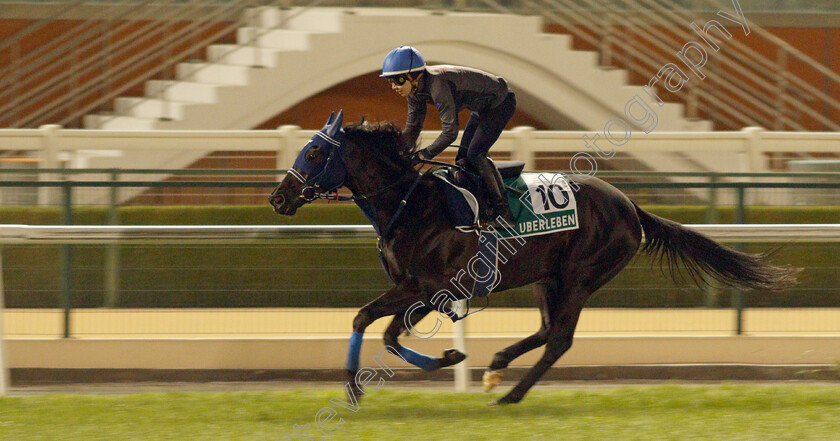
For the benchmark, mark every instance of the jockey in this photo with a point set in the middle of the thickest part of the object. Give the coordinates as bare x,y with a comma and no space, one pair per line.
451,88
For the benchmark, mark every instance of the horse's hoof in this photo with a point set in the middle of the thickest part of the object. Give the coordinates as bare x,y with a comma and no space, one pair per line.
353,389
507,400
491,379
452,357
356,393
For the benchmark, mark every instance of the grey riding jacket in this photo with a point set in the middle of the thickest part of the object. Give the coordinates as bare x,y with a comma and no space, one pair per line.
450,89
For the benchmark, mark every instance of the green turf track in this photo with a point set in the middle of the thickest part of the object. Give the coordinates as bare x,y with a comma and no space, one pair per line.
670,412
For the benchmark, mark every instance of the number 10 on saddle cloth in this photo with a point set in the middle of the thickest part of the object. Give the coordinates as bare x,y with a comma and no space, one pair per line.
545,204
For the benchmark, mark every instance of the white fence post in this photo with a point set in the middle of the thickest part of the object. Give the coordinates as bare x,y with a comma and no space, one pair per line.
462,372
4,378
288,147
756,162
523,150
49,159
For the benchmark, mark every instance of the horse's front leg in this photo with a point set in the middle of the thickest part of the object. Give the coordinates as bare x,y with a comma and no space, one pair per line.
407,320
394,301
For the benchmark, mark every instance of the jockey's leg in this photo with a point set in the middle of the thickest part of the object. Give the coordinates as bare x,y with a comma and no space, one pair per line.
489,127
466,138
496,197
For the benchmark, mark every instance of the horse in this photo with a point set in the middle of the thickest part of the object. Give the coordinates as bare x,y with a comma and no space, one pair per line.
422,252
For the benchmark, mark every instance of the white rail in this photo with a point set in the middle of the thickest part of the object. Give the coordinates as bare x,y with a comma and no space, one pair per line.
94,234
738,151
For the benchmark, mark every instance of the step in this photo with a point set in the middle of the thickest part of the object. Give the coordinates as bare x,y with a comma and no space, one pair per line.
666,115
321,19
618,77
116,122
242,55
262,17
555,42
574,63
150,108
186,91
699,125
286,39
213,73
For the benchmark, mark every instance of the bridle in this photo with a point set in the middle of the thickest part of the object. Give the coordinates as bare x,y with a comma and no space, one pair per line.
313,186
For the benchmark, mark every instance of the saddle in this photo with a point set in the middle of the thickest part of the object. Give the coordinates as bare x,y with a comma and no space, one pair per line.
508,170
463,191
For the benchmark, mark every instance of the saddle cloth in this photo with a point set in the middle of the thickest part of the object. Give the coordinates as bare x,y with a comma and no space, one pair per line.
541,203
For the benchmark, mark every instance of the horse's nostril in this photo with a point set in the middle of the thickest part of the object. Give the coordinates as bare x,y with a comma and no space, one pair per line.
278,200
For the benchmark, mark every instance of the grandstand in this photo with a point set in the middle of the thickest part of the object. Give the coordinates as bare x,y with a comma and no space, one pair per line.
205,65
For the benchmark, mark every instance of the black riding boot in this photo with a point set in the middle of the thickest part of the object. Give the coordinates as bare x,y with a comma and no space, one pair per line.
495,189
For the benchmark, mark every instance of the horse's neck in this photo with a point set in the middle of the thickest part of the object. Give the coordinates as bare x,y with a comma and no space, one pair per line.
380,203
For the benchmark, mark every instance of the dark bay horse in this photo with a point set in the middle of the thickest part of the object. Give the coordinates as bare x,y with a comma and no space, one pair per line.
423,252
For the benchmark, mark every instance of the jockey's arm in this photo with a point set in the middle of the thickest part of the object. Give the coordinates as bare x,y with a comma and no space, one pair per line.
414,120
448,111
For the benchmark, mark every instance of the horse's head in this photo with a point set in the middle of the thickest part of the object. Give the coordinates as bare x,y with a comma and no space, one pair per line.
369,159
318,169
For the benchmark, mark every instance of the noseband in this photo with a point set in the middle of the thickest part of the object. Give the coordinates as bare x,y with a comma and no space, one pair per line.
313,187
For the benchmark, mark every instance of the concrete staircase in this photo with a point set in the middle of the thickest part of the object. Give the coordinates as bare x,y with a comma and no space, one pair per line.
272,68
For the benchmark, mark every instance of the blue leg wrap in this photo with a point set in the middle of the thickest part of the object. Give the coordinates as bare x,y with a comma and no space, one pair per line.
422,361
353,352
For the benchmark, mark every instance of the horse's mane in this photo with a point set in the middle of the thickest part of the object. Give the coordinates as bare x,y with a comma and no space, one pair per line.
385,137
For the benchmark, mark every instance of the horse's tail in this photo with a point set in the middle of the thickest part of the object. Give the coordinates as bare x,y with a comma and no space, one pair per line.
670,244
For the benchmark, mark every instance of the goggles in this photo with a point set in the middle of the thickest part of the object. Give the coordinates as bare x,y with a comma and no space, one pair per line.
399,80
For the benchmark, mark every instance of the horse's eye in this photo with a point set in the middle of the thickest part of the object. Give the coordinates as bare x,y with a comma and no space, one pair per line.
313,154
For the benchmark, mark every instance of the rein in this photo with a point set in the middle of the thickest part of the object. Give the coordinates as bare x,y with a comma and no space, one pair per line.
310,192
442,164
403,203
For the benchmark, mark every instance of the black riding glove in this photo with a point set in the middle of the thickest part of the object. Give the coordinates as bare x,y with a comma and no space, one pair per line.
420,154
414,158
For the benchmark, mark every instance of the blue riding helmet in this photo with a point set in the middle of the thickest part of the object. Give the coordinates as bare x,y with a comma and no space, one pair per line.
403,60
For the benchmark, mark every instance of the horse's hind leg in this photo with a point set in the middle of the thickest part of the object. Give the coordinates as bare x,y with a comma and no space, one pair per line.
558,341
545,292
576,285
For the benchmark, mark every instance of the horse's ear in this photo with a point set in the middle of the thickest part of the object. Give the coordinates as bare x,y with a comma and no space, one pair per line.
334,126
330,119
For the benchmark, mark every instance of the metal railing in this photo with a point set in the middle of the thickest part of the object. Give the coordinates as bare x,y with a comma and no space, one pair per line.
123,45
771,89
157,236
115,188
109,53
333,236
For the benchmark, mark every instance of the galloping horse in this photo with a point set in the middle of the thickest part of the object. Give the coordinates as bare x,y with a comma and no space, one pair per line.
423,252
